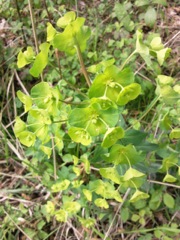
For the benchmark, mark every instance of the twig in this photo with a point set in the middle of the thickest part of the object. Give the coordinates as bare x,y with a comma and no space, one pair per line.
119,208
165,184
17,226
84,71
20,82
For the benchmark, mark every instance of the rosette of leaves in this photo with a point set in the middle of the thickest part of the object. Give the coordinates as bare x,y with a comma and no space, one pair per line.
116,85
74,34
43,107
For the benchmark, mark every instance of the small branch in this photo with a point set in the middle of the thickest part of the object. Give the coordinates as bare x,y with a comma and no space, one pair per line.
165,184
119,208
127,60
84,71
54,158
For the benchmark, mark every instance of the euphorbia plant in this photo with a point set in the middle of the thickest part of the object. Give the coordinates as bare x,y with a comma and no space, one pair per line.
88,135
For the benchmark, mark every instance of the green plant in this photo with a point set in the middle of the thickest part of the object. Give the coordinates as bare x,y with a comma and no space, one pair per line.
90,155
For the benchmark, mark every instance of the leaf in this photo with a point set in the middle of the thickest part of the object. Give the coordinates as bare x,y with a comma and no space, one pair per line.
125,214
71,207
73,35
51,32
142,49
31,233
150,16
87,223
164,80
26,100
138,195
133,178
169,178
86,164
108,83
80,135
162,55
25,57
100,66
168,200
60,186
45,97
46,150
156,44
19,126
27,138
50,207
111,136
88,194
175,133
169,96
40,61
100,202
66,19
110,173
61,215
168,162
128,93
120,154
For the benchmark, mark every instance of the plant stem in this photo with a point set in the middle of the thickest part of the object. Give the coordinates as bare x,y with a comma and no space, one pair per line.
54,158
119,208
34,30
127,60
84,71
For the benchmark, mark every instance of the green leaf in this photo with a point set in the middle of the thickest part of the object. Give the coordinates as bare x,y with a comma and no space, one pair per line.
169,96
88,194
132,173
156,44
66,19
175,133
168,162
27,138
40,61
26,100
25,57
19,126
138,195
111,136
110,83
162,55
164,80
31,233
133,178
87,223
46,97
100,202
120,154
71,207
60,186
140,3
162,2
61,215
125,214
156,199
110,173
128,93
101,66
51,32
75,33
150,16
80,135
50,207
46,150
86,164
142,49
168,200
169,178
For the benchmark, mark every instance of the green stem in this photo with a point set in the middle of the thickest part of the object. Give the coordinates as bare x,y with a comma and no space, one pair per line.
127,60
84,71
54,158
